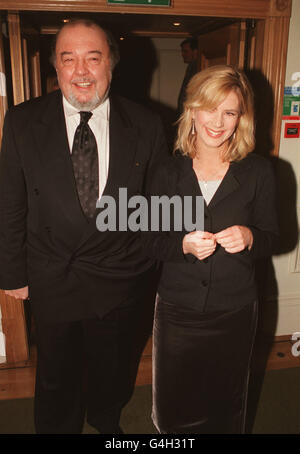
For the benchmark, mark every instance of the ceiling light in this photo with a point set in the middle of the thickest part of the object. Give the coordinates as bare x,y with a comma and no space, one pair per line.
176,24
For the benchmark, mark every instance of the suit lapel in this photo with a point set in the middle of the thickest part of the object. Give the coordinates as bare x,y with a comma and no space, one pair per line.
56,165
188,184
122,150
230,182
227,186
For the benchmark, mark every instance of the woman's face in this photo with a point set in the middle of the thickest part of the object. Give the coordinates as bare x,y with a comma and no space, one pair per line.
215,127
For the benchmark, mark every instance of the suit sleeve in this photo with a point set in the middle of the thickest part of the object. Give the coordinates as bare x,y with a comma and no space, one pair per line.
13,213
264,224
159,153
160,244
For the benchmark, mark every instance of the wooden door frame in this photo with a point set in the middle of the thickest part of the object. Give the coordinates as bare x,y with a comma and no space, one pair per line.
275,15
3,97
214,8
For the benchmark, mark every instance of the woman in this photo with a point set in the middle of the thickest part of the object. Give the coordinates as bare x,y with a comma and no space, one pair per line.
206,311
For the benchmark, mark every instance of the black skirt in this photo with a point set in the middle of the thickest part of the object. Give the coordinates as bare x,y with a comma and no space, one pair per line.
201,369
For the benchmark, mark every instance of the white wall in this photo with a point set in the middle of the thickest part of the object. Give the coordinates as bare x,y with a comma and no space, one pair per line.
169,73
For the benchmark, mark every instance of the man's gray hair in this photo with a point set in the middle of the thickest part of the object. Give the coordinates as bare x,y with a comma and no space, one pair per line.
112,44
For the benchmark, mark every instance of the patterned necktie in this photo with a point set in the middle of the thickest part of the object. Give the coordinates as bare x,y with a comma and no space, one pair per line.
85,165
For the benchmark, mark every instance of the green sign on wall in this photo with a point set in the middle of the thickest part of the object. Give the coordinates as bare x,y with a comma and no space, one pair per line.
291,101
141,2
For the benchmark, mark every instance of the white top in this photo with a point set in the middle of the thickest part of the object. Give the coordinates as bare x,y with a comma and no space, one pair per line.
99,124
208,189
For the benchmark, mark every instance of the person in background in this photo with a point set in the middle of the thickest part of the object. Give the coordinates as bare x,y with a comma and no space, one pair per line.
206,310
87,288
189,52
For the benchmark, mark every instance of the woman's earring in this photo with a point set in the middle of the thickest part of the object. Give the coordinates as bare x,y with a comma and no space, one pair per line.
193,127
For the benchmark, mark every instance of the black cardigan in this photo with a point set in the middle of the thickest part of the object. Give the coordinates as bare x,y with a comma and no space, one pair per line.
223,281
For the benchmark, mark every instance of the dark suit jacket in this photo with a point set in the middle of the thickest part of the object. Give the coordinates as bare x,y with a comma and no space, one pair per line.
223,281
71,268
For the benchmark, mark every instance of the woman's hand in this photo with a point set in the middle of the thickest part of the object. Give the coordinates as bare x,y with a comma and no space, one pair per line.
19,293
200,244
235,239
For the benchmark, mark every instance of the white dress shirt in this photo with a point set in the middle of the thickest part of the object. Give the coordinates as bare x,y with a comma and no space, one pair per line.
208,189
99,124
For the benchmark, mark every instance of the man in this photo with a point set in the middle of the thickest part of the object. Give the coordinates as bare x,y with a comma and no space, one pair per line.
87,288
189,52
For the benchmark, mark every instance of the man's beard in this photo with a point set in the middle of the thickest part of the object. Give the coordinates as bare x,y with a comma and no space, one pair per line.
88,105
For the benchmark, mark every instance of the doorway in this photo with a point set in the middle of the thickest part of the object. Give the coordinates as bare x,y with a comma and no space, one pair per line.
255,42
151,68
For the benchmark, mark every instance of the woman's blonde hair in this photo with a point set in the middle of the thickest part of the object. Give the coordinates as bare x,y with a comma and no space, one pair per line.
205,91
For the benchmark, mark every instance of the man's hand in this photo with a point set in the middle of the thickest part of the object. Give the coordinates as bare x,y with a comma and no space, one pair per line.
19,293
235,238
200,244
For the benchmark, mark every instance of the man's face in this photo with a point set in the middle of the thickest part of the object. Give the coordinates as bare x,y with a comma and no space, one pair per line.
83,65
188,54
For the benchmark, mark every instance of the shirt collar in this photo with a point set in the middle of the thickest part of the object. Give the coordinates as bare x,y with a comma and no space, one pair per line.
101,111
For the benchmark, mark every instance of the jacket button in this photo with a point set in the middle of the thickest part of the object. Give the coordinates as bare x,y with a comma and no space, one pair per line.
204,283
36,191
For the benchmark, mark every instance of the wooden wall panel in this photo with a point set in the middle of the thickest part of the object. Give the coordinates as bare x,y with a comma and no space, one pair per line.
14,329
13,318
223,46
36,74
216,8
3,97
274,67
26,69
16,57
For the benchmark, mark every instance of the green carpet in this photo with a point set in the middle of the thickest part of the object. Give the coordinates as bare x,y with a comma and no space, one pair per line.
277,412
278,409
